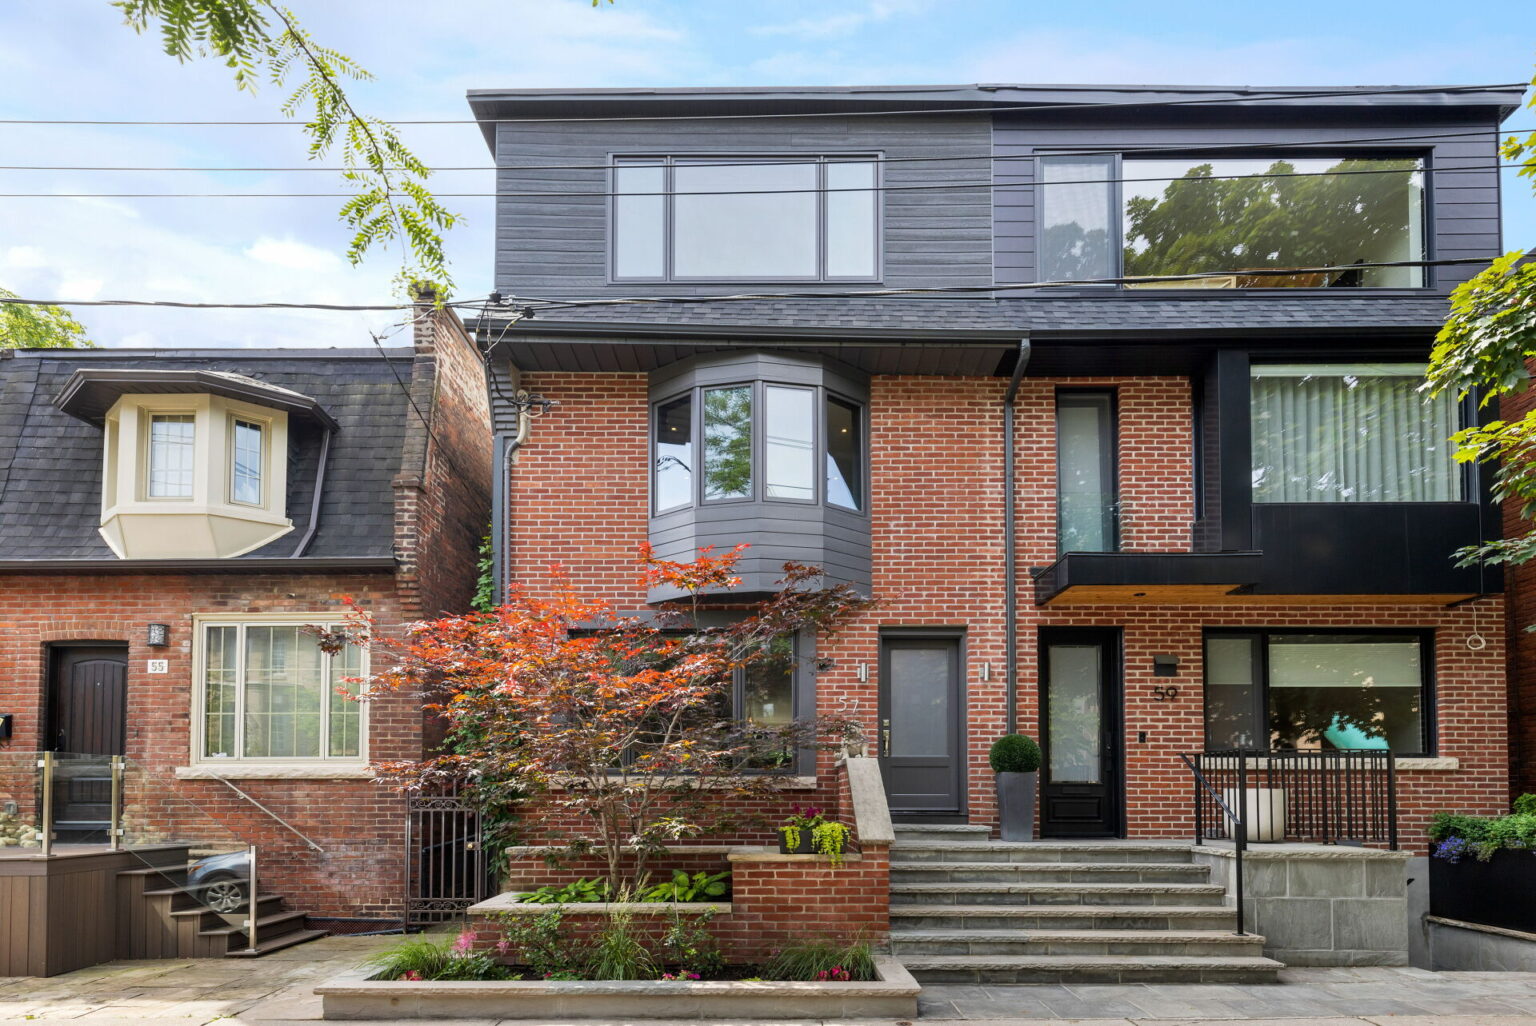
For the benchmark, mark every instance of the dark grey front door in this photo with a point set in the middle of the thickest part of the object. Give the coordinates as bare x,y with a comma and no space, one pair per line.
1079,727
921,718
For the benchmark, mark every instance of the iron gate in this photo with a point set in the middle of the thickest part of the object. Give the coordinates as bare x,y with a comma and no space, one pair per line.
446,870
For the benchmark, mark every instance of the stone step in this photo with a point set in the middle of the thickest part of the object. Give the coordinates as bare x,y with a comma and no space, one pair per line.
948,850
1061,917
905,831
1075,942
1048,872
1091,969
1120,894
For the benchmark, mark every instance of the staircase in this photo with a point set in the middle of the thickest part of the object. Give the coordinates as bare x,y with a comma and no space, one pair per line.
968,909
159,916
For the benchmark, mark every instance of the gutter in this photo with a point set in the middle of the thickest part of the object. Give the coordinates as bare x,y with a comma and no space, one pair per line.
1010,557
265,564
507,444
724,332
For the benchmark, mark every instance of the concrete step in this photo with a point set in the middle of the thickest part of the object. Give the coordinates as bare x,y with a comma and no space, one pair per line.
952,831
287,940
1119,894
1075,942
965,849
906,917
1091,969
1048,872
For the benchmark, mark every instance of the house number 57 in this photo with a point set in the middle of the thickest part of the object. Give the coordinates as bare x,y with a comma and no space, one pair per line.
1165,692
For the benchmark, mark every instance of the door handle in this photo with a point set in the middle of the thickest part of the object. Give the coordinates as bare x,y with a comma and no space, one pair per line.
885,739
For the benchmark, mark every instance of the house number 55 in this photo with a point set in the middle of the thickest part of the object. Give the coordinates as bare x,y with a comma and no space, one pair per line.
1164,692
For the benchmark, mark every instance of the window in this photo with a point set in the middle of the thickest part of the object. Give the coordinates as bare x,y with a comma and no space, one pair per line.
245,463
758,218
800,427
269,691
172,456
1237,214
1086,503
1351,433
1311,690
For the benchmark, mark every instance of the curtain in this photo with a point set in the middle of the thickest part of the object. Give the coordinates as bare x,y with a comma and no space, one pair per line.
1350,433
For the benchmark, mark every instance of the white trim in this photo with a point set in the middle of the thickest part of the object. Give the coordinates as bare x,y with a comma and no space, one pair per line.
277,769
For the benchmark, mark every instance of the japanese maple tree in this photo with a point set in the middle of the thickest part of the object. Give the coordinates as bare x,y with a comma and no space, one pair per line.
621,723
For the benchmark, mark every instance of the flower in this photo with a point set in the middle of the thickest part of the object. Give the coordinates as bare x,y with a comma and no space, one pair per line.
410,974
465,943
503,947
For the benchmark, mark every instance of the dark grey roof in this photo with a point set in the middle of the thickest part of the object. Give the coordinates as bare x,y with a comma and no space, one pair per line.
50,462
90,392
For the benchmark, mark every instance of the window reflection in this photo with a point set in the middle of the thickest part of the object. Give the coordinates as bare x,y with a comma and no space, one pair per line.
728,442
674,454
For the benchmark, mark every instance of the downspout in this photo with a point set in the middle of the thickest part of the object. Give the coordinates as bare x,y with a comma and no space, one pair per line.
1010,558
314,504
507,444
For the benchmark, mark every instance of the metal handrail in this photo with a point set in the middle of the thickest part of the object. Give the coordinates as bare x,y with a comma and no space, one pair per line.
1239,831
283,822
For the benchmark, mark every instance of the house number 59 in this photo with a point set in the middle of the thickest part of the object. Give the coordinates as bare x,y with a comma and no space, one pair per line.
1164,692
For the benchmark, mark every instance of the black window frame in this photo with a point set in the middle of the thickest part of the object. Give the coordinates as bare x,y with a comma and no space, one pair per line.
1109,456
1260,671
1428,279
668,162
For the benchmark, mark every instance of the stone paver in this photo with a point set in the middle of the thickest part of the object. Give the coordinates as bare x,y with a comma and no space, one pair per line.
277,991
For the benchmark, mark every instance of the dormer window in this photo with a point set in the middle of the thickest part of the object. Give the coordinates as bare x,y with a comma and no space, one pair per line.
194,463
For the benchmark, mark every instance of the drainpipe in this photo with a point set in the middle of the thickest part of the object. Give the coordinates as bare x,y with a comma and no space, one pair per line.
1010,558
507,444
314,505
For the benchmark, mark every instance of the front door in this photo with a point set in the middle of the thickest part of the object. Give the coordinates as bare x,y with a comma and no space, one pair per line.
921,726
1080,728
87,705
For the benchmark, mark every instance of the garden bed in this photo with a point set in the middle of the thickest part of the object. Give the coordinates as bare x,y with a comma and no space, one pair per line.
1499,892
353,995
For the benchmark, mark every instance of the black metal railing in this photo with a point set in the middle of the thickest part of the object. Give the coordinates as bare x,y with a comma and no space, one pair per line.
1315,796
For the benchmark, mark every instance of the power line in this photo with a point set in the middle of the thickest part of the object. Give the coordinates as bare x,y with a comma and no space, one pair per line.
923,187
1255,96
1264,148
339,307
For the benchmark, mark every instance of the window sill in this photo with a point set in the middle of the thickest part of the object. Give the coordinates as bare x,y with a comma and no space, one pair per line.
1427,762
276,771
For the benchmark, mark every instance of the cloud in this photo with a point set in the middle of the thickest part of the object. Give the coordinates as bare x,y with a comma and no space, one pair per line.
292,254
834,25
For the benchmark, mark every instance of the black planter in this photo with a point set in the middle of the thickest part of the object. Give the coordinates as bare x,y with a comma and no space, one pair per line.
1499,892
1016,805
803,848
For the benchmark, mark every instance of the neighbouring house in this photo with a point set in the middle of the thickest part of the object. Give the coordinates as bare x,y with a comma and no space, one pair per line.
1138,520
172,524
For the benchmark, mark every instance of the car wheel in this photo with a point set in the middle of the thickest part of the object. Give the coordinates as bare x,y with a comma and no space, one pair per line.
224,895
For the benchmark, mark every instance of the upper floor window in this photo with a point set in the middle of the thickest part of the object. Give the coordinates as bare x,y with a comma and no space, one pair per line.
1104,216
245,464
711,218
1351,433
757,440
172,455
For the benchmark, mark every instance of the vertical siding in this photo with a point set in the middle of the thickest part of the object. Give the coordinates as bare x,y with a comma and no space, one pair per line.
557,244
1464,208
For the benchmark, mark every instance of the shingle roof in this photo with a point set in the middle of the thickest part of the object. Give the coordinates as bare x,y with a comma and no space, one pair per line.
50,462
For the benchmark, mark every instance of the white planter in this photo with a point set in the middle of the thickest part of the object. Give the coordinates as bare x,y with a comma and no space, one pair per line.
1263,809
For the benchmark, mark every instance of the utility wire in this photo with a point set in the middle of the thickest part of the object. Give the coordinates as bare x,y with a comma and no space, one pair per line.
1254,96
1266,147
923,187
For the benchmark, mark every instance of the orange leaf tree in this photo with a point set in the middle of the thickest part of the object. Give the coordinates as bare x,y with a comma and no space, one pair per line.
622,724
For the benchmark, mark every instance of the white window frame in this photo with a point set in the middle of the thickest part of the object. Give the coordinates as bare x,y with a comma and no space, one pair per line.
264,458
242,765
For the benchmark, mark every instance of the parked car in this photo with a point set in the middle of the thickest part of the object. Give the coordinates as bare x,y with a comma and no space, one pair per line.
221,881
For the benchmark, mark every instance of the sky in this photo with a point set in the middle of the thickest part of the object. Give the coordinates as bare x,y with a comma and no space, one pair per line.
74,59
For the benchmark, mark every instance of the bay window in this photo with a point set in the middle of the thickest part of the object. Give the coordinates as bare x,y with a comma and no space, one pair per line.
718,217
1317,689
1351,433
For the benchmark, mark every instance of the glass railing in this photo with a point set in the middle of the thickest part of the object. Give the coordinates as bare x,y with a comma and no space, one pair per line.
21,821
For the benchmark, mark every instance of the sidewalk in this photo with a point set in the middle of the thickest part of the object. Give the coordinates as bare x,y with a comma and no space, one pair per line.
275,991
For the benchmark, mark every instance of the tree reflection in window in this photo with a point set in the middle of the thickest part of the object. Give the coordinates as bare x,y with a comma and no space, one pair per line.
728,442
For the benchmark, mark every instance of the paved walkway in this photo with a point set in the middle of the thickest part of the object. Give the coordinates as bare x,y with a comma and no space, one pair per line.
275,991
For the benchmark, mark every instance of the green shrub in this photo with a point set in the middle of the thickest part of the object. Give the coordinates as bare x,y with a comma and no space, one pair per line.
1014,753
582,890
618,952
817,959
1483,835
425,959
690,946
1525,805
698,887
542,945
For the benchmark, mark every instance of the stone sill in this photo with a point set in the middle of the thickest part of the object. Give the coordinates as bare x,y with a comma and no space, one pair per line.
281,771
1291,851
774,855
504,905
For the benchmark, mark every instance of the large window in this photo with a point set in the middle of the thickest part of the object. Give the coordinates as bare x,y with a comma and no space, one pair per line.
1351,433
1314,690
270,692
171,456
762,219
1103,217
1086,503
759,441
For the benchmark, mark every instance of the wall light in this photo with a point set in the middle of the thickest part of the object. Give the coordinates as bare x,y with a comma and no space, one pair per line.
1165,666
157,635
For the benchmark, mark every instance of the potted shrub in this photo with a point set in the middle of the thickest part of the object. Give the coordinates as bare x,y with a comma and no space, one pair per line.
1015,759
1484,867
810,832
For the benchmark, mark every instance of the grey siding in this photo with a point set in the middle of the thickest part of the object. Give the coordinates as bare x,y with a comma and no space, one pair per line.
557,245
1464,207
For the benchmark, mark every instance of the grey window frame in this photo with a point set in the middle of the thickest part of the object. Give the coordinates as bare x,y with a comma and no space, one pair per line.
667,162
1427,278
1429,735
1106,399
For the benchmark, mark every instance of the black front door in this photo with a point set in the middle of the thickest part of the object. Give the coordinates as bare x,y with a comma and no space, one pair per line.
921,723
87,706
1079,730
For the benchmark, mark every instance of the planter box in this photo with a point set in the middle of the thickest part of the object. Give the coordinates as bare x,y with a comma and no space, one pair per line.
353,996
1499,892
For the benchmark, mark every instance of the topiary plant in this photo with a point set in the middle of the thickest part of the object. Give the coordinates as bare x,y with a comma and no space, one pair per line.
1014,753
1525,805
